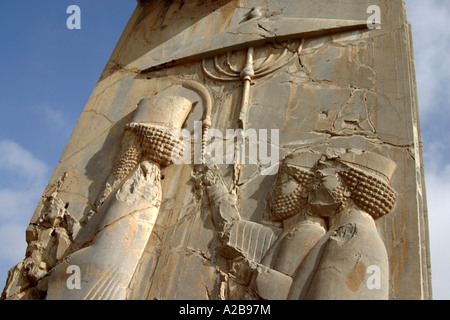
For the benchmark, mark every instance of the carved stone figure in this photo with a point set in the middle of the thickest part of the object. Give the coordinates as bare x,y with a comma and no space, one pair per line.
243,243
129,205
330,239
328,207
286,204
350,191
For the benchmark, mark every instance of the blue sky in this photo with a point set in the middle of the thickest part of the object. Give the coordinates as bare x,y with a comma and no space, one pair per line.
49,72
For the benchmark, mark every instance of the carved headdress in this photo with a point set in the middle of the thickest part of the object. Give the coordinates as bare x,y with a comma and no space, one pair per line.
367,176
368,179
153,133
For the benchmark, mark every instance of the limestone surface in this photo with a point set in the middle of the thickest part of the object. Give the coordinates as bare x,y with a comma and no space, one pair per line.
241,149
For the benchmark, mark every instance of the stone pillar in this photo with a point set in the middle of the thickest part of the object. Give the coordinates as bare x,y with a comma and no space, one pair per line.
283,108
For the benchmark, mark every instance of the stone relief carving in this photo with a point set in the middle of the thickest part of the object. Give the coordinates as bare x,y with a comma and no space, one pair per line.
156,141
224,69
318,235
351,191
242,243
328,205
299,202
286,203
327,254
249,65
130,203
263,261
124,215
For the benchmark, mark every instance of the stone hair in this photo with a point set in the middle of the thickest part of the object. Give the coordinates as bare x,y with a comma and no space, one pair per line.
286,206
369,192
148,143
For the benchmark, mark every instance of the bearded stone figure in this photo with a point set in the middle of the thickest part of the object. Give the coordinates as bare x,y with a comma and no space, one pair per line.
330,247
300,230
128,208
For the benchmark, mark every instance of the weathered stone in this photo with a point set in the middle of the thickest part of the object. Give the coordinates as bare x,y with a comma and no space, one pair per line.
326,195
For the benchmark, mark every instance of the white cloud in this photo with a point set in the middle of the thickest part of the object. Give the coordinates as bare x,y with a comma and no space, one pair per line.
12,234
431,35
18,205
55,119
54,115
24,178
438,191
26,167
435,156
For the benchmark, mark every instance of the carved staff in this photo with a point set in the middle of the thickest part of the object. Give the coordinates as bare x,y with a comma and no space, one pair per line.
206,121
248,74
